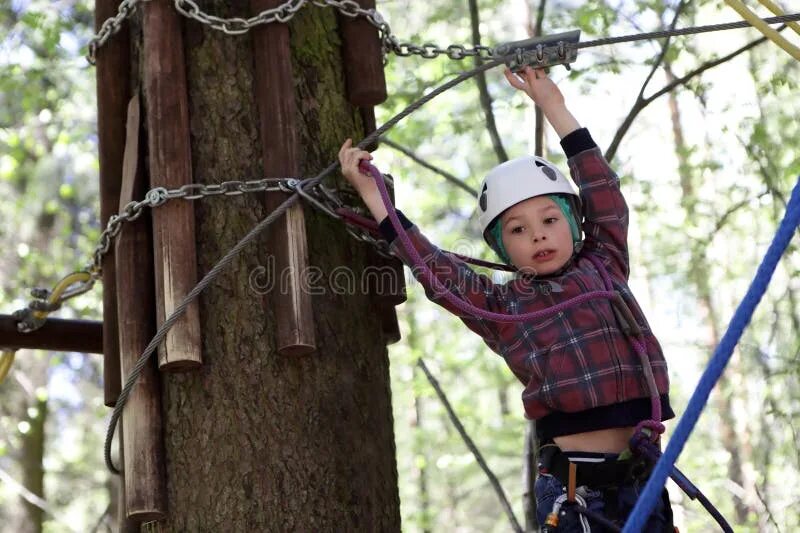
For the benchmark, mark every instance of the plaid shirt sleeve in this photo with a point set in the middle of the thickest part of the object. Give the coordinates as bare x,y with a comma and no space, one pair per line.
455,275
605,212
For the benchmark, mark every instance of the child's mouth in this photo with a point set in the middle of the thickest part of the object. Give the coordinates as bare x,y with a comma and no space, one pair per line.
544,255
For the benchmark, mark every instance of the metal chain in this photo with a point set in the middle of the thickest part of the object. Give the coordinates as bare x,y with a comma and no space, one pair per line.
284,13
389,42
327,201
110,27
160,195
238,25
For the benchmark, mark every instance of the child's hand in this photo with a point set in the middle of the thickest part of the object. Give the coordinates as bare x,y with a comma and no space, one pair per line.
349,158
538,86
547,96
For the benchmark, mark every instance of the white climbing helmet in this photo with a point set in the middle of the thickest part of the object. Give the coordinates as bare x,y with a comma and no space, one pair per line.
516,180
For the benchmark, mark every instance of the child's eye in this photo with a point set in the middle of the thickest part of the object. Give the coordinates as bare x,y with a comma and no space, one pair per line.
550,220
514,229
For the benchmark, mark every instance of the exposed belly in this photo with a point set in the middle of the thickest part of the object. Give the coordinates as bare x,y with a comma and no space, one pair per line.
612,440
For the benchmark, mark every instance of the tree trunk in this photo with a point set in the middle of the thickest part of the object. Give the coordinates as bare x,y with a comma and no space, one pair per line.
31,460
257,441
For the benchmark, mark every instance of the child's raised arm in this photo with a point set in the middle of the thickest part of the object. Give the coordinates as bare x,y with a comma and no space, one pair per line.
546,94
604,209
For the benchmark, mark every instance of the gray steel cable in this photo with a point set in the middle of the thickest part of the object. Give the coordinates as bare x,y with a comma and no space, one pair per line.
136,371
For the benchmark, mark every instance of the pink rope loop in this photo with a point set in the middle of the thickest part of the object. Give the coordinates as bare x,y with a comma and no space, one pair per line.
656,430
439,290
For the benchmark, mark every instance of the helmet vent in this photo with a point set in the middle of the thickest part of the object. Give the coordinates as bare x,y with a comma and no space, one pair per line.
482,201
549,172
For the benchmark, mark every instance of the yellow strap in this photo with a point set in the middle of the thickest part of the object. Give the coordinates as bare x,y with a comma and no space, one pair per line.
775,8
571,482
764,28
6,360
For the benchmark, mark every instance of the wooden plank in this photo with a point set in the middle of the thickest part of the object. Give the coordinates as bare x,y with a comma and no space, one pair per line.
142,448
361,56
274,91
170,166
57,335
113,92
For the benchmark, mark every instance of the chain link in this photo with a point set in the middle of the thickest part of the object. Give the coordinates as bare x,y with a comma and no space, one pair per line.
284,13
159,196
110,27
327,201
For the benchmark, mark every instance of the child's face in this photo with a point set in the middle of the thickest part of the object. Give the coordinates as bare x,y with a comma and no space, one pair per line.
536,236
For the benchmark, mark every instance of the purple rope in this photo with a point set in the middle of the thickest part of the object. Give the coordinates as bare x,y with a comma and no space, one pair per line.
451,298
641,351
466,307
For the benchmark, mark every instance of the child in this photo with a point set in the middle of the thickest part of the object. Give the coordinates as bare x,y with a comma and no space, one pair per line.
584,383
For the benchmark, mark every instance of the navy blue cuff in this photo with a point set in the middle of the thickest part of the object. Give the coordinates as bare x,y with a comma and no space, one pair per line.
387,230
577,141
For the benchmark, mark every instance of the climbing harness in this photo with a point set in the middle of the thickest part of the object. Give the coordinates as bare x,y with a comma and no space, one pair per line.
555,516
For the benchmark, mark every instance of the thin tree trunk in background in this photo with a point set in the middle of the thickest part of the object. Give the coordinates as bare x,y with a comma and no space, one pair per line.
31,461
422,472
534,29
255,440
483,89
736,445
425,514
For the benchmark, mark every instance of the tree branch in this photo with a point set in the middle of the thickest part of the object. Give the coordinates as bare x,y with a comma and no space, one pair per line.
486,99
639,106
641,102
471,445
417,159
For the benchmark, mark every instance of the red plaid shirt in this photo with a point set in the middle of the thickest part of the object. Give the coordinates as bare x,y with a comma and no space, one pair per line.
579,369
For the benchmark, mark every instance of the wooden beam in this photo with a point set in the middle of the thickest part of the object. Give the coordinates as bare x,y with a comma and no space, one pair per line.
361,56
113,92
57,335
170,166
142,447
274,93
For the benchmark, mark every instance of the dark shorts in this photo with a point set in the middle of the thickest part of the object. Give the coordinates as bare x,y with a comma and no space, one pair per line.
612,503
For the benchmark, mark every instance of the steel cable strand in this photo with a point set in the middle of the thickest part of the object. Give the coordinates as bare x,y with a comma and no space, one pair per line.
136,371
603,41
717,365
176,314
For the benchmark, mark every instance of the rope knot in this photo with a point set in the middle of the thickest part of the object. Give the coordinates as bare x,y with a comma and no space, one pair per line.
647,432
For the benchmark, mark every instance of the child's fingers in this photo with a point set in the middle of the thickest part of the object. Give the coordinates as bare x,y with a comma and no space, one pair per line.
344,147
514,79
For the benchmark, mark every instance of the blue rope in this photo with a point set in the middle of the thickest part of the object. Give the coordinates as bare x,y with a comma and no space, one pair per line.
722,354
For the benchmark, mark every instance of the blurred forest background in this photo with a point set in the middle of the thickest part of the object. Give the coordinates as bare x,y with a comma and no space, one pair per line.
706,168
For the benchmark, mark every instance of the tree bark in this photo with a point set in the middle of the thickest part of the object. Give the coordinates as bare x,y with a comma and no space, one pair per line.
254,440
